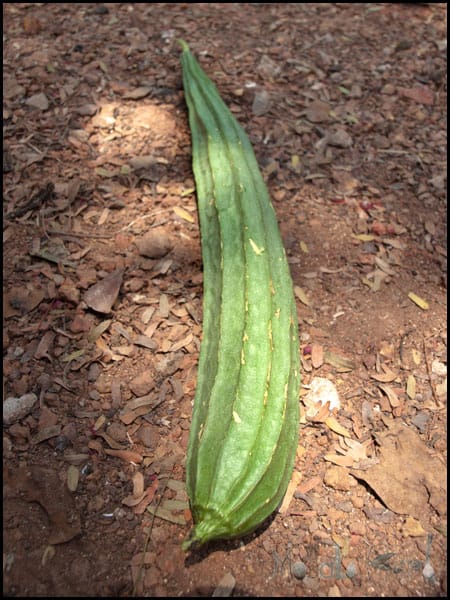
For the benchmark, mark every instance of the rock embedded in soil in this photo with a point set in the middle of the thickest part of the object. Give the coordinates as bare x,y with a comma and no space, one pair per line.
338,478
15,409
117,431
299,569
142,384
154,244
148,435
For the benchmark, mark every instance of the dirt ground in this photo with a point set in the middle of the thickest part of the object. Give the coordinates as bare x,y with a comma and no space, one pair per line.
345,105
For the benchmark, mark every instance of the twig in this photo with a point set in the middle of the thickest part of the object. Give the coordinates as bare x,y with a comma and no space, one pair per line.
42,196
429,371
53,259
126,227
80,235
147,541
401,349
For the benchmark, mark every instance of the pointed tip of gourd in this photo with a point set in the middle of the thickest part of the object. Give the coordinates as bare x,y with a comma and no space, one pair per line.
188,544
193,541
183,45
208,529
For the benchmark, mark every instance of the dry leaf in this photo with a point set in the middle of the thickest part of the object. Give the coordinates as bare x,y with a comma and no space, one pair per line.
306,486
148,496
145,341
18,301
412,528
317,355
42,351
384,266
378,277
411,387
392,396
301,295
441,388
46,434
126,455
138,484
48,554
341,363
421,303
357,450
138,93
95,445
164,307
331,271
336,427
97,331
356,426
99,423
132,500
408,476
364,237
41,485
110,441
385,377
339,459
304,247
124,350
101,344
182,343
106,173
387,350
175,504
102,295
162,513
183,214
73,355
103,216
394,243
366,282
73,477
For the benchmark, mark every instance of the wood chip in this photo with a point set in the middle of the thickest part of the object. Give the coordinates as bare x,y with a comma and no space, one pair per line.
295,480
138,484
164,306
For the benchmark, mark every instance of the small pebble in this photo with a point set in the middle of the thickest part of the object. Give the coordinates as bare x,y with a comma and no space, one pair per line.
428,571
351,570
15,409
61,443
357,501
334,592
299,569
225,586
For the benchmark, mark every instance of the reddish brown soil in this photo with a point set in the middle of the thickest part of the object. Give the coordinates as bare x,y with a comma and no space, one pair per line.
345,105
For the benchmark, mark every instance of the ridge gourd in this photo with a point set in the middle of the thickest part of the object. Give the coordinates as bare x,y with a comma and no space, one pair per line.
244,429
